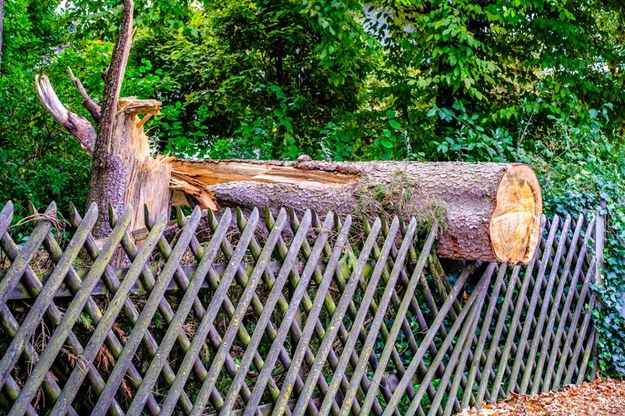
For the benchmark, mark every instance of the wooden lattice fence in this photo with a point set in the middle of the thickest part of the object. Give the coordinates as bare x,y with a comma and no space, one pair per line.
283,315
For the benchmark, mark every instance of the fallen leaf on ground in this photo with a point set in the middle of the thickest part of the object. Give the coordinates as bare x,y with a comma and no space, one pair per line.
597,398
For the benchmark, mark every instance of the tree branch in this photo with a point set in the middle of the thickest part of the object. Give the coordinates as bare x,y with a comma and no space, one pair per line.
113,81
93,108
78,126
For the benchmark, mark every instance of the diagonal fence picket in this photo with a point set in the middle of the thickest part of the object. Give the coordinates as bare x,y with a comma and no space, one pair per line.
290,314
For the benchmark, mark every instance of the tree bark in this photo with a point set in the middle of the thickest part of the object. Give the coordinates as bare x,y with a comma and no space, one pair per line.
488,211
123,171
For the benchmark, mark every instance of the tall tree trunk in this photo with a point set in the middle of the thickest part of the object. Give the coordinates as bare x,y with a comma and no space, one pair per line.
123,170
112,159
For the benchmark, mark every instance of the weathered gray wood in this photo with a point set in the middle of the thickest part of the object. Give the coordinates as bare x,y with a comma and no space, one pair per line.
456,364
101,289
211,311
108,319
438,321
70,317
54,314
530,315
599,244
269,278
359,320
579,345
494,394
111,283
290,315
50,385
406,329
556,302
298,357
38,309
381,311
20,263
182,280
481,343
546,298
146,316
306,259
466,314
246,297
581,304
558,335
268,308
315,372
170,336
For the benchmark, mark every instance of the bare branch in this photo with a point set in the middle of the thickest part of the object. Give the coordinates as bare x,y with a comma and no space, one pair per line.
93,108
113,81
78,126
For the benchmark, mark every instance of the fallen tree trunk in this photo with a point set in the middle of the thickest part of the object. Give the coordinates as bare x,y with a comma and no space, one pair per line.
489,211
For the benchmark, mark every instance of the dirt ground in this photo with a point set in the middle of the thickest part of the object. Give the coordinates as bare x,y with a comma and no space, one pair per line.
599,398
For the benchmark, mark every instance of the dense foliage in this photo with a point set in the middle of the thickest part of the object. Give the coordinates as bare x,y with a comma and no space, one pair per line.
533,81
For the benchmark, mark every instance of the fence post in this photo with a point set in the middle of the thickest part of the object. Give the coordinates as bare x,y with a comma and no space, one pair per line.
600,243
599,248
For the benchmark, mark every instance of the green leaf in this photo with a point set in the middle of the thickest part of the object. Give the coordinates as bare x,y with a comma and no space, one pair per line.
394,124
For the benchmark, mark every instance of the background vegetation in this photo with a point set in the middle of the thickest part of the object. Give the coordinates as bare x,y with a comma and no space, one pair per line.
532,81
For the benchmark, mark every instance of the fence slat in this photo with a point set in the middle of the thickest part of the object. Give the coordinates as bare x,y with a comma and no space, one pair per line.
289,315
315,372
467,313
578,347
298,357
70,317
111,282
108,319
145,317
49,383
39,307
484,331
569,339
562,279
244,301
265,316
20,262
563,320
530,314
546,298
517,312
382,308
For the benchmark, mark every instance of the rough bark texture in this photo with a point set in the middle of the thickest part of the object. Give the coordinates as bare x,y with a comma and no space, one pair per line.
490,211
112,154
128,174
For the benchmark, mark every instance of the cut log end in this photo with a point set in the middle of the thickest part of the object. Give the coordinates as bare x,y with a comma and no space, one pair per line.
515,223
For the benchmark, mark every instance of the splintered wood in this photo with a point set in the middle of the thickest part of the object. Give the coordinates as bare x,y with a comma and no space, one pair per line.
599,398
